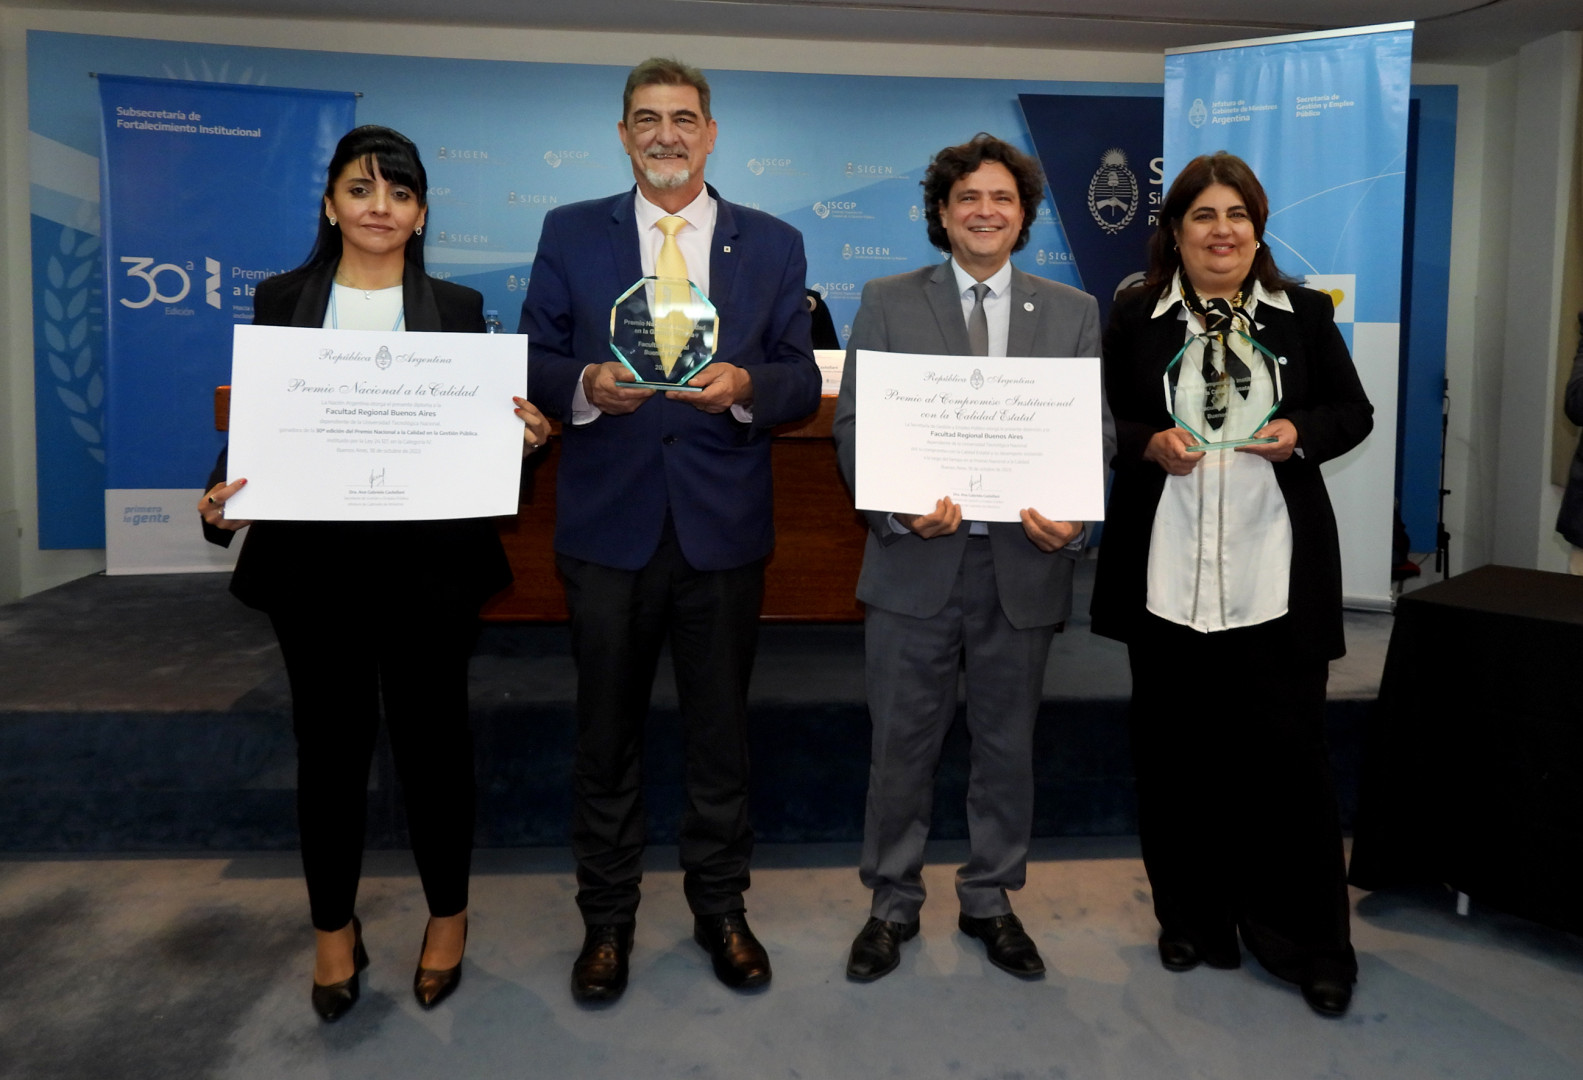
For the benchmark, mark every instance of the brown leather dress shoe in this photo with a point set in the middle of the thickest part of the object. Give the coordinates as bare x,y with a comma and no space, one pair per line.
600,971
877,949
1008,945
739,960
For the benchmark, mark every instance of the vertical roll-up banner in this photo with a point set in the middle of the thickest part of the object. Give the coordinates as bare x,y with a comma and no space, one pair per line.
207,189
1322,120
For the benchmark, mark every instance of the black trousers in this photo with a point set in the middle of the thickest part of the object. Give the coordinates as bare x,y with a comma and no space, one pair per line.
620,620
340,668
1236,806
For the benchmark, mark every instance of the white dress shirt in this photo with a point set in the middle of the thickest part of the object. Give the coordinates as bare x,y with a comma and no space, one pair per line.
997,303
695,239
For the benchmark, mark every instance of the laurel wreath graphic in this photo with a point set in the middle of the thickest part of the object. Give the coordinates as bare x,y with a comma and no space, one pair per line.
80,381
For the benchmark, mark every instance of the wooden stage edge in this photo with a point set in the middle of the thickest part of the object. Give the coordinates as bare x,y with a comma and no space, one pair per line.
811,577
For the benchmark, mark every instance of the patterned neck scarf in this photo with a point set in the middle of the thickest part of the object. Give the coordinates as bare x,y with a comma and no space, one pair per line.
1224,370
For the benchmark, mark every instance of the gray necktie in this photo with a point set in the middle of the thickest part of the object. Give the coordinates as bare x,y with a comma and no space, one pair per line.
978,323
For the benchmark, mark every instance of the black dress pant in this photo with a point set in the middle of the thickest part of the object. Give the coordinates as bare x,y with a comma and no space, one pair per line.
620,620
341,667
1236,806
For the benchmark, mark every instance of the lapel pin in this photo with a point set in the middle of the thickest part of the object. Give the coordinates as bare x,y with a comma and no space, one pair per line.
726,248
1280,360
1027,305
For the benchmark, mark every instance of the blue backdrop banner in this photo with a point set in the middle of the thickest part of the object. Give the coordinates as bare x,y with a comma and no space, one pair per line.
207,189
1101,158
504,142
1322,119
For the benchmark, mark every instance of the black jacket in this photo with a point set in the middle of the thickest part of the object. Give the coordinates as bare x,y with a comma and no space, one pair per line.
286,565
1321,396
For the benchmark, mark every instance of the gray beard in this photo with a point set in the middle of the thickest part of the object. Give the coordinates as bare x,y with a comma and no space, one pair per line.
668,181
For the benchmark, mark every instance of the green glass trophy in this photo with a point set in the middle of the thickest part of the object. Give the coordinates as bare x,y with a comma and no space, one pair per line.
1224,401
664,330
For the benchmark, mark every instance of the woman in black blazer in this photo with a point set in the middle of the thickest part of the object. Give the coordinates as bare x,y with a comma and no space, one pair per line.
374,611
1222,572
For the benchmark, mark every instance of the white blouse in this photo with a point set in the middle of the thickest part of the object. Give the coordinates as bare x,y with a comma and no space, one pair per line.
357,309
1220,554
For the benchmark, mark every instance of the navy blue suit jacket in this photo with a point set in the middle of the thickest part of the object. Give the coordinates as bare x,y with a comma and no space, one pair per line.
619,475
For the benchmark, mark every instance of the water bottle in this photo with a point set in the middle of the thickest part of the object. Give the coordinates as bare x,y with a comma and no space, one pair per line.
492,322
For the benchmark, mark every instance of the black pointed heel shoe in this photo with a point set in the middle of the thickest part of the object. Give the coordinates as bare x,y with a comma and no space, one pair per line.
433,985
335,1000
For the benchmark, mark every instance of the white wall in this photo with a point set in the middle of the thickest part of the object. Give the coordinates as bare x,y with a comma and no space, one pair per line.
1545,131
1477,338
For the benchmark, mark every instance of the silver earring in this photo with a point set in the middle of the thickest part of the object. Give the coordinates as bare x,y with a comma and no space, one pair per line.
332,221
418,231
1257,245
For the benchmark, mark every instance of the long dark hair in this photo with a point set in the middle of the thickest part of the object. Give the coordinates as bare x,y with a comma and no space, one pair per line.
398,163
1203,172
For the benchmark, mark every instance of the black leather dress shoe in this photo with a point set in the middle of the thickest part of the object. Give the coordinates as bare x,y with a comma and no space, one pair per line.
1328,997
335,1000
877,949
1008,945
1178,954
600,970
739,960
433,985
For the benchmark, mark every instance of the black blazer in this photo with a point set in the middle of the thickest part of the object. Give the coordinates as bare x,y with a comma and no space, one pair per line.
1321,396
303,565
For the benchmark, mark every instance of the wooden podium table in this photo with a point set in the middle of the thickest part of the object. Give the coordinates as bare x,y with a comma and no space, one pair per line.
811,577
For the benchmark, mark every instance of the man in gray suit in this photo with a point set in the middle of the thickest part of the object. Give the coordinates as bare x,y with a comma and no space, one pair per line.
943,594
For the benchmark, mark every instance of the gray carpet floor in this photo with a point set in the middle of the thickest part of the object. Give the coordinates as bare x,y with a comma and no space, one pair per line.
199,967
136,967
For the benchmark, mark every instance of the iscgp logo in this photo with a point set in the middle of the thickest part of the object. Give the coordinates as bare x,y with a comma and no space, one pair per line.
168,283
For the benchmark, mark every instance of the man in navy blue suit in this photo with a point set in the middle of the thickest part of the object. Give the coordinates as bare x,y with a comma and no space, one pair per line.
663,511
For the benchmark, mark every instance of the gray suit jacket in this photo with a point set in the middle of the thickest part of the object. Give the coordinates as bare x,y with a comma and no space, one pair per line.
920,312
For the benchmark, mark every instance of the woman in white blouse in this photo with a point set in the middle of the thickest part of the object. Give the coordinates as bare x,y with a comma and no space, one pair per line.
374,613
1221,571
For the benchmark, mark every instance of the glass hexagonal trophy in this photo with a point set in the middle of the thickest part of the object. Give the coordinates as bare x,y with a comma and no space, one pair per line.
1222,412
664,330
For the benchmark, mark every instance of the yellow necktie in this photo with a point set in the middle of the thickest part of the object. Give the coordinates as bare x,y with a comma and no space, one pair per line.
673,327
